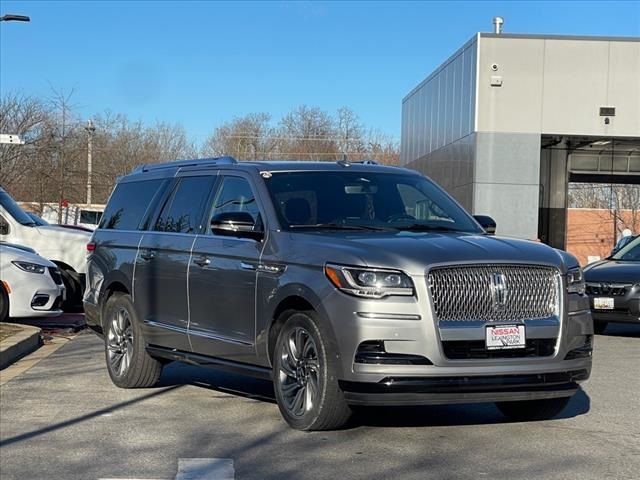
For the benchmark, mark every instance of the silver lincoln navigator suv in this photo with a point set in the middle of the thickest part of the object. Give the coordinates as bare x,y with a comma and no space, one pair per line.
343,283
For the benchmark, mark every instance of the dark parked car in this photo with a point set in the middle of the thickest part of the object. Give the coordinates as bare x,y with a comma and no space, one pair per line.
613,286
343,283
623,242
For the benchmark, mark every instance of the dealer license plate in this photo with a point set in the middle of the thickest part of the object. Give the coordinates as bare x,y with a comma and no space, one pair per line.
502,337
603,303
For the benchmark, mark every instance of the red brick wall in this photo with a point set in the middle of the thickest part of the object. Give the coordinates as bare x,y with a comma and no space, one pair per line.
590,232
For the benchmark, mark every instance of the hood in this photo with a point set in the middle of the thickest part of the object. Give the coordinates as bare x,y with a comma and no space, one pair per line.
66,234
17,247
412,252
19,254
613,271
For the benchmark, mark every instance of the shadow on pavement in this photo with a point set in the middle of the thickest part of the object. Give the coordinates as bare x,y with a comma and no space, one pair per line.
412,416
82,418
177,373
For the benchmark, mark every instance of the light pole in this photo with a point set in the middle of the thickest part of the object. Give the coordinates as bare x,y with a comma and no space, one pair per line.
90,131
14,18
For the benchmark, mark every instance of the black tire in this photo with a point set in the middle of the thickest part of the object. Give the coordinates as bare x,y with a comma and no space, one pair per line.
4,304
137,369
74,291
533,409
325,408
599,327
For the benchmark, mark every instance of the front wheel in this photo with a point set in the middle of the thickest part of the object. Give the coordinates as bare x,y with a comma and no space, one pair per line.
128,363
533,409
73,287
305,376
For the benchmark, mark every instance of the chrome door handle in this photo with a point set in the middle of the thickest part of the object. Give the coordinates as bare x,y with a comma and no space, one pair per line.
247,266
202,261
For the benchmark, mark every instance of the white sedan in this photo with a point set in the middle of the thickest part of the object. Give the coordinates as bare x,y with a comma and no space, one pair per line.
30,286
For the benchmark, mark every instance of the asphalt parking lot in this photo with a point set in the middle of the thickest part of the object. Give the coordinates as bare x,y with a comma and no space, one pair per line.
63,419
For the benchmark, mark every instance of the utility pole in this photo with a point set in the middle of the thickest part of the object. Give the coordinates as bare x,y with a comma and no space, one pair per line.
90,131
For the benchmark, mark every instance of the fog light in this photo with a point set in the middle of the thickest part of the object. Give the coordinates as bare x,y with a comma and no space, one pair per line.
40,300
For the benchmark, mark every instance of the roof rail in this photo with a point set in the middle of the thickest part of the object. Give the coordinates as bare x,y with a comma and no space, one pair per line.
196,162
346,163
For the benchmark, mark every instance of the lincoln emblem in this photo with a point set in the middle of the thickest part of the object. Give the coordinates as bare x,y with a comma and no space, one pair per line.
498,290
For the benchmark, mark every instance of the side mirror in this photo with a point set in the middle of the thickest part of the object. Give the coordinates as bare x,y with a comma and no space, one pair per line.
235,224
486,222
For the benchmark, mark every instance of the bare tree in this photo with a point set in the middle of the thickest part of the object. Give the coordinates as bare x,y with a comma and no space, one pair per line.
618,204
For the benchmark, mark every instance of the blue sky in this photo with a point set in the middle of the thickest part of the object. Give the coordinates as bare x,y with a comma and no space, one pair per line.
201,63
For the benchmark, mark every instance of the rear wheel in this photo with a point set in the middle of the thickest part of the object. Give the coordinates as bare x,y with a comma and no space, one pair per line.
305,376
4,304
128,363
533,409
600,327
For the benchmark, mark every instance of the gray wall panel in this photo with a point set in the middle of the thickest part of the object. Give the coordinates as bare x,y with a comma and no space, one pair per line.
440,110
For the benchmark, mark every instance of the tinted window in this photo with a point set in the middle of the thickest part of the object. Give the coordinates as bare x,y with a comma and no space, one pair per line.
366,199
184,210
14,209
235,195
4,226
90,217
128,204
630,253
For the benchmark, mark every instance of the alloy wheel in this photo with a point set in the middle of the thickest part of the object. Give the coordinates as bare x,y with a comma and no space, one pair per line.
120,342
299,372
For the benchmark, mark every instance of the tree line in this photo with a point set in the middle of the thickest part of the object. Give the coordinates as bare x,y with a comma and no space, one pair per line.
51,165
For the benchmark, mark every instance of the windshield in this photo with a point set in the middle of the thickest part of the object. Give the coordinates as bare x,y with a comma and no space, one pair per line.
13,209
630,253
37,220
353,200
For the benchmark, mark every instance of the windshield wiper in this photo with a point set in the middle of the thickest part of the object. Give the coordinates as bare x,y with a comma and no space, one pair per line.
345,226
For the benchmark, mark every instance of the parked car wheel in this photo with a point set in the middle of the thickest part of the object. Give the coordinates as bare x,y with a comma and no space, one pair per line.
4,304
73,287
533,409
128,363
305,376
599,327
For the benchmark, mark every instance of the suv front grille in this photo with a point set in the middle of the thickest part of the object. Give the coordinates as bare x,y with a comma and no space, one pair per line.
614,290
494,292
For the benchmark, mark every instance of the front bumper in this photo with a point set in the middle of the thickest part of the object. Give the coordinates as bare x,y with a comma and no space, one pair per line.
626,307
432,375
447,390
45,301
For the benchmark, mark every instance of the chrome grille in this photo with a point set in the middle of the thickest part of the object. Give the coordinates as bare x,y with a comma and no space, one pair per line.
472,292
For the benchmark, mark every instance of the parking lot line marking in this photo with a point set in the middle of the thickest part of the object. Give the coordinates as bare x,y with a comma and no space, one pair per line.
205,469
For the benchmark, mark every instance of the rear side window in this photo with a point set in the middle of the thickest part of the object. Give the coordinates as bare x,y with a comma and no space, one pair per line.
128,205
184,210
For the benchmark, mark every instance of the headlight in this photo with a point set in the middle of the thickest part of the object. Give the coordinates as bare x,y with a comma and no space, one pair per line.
575,281
369,282
30,267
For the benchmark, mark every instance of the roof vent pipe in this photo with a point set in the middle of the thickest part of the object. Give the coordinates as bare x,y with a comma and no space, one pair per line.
497,25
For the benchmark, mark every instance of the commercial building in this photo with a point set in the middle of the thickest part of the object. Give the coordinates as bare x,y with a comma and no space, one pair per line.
509,120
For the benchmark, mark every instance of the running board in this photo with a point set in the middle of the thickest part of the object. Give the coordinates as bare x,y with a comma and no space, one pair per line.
207,361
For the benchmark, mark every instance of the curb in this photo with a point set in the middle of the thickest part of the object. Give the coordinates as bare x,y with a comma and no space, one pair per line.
17,346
